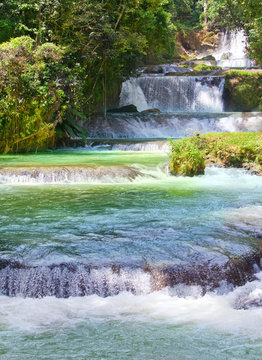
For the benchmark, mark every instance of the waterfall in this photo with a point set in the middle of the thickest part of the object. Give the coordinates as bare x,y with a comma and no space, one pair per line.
162,126
174,93
78,279
132,93
73,279
232,51
67,175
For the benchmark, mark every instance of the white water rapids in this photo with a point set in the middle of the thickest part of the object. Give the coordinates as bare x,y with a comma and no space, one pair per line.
137,174
168,305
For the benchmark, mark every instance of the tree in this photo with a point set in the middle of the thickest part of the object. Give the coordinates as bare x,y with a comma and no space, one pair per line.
107,40
31,100
41,20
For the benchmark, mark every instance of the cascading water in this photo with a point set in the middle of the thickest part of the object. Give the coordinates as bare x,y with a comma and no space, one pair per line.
68,175
232,51
108,256
148,260
76,279
174,93
162,126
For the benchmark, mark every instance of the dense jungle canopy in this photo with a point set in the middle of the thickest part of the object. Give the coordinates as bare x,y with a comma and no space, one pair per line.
62,59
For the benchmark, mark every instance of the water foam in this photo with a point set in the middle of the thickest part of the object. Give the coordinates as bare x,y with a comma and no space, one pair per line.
213,310
142,126
67,175
215,178
248,218
159,146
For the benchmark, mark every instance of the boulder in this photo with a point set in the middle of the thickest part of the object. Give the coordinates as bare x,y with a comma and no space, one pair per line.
208,58
154,110
124,109
154,69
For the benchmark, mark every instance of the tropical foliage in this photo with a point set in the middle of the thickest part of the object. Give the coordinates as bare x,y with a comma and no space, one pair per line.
59,56
31,99
189,156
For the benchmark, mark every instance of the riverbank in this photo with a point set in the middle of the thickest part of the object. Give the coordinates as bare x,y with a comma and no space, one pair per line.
240,150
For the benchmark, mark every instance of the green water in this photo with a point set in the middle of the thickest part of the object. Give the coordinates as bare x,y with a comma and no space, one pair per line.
159,219
107,339
168,219
105,158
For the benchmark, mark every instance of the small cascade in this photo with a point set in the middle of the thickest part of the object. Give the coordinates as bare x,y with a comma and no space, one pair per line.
232,51
77,279
157,126
67,175
65,280
142,146
174,93
132,93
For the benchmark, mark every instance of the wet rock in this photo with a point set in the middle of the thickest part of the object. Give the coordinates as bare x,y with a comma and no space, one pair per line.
180,71
78,279
154,69
251,303
154,110
210,81
124,109
253,169
210,59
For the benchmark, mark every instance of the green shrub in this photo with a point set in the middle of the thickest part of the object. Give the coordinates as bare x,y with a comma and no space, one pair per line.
189,155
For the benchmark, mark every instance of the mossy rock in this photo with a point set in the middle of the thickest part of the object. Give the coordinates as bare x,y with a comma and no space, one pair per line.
208,58
204,67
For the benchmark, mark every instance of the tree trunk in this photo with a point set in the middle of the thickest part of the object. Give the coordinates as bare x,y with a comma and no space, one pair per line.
205,13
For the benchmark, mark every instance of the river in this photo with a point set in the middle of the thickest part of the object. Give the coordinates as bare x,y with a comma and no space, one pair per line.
105,255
